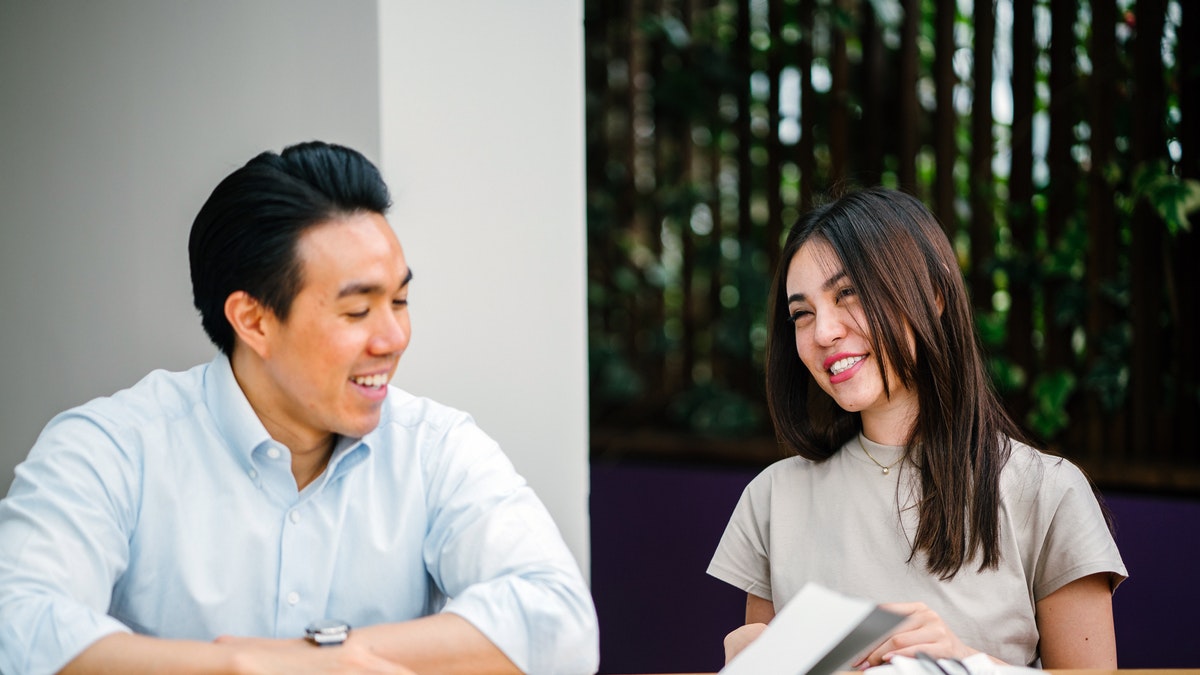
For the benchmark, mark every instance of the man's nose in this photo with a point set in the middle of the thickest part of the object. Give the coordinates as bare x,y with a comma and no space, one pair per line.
392,335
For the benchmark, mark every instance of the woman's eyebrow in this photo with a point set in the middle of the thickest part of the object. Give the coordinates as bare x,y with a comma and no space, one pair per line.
829,284
833,280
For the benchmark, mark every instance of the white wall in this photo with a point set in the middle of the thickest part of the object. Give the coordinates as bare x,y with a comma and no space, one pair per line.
118,117
483,146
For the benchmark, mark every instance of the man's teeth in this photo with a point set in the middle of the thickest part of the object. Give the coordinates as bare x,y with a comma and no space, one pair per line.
845,363
372,381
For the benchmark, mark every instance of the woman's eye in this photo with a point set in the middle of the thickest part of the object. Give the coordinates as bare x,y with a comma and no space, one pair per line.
846,293
358,315
798,315
399,303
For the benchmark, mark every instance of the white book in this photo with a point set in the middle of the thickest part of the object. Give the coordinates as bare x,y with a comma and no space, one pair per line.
818,632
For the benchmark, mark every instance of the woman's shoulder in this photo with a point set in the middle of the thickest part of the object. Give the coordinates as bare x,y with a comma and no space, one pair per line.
792,470
1025,456
786,467
1050,473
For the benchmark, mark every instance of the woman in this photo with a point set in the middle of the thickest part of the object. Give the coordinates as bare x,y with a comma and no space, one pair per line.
909,488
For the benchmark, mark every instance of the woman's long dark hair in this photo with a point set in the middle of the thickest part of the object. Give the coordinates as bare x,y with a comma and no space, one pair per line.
906,276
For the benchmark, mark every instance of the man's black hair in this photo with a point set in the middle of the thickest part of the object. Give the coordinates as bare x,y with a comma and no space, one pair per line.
244,237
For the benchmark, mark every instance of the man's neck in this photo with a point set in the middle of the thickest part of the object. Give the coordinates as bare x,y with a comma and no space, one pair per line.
308,464
310,454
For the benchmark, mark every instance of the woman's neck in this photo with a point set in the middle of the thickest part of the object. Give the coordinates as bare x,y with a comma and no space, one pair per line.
892,425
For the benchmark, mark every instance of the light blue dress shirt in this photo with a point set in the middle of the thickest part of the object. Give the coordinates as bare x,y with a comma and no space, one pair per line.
167,510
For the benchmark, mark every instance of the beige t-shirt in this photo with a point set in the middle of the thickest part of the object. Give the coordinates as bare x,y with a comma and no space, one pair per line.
837,523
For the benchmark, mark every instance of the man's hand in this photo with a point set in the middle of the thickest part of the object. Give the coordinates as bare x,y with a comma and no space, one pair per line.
260,656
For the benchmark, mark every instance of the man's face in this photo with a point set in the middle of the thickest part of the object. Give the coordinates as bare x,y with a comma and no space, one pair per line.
329,363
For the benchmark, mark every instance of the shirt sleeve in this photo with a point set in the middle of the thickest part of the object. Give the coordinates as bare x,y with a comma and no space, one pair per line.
497,554
63,541
1077,540
742,558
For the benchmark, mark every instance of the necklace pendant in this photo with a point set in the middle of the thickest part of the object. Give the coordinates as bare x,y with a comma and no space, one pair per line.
887,470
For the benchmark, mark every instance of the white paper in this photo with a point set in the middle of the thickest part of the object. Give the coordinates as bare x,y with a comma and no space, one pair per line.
976,664
818,631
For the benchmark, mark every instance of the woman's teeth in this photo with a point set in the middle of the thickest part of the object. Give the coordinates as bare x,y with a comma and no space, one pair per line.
845,363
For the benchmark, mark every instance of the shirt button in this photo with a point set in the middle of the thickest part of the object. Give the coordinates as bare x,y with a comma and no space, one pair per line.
294,516
253,473
293,598
273,453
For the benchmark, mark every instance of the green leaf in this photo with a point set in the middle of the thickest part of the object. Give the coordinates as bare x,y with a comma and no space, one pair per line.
1051,392
1172,197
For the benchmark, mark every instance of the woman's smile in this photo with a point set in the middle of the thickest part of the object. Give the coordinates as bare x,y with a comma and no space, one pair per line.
842,367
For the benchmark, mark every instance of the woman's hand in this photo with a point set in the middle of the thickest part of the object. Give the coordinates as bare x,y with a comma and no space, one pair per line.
740,638
922,631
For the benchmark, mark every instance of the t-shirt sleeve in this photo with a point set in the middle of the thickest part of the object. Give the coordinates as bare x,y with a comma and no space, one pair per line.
1077,541
742,556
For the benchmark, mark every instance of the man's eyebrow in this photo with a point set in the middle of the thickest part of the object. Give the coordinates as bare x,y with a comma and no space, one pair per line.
362,288
829,283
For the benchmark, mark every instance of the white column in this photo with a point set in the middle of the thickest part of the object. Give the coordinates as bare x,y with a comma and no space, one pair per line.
482,131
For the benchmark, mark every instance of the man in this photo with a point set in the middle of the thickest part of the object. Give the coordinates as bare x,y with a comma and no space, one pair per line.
204,521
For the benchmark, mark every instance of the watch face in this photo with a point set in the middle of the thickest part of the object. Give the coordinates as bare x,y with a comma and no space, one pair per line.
328,632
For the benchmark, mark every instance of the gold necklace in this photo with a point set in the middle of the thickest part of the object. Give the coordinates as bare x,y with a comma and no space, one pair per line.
886,469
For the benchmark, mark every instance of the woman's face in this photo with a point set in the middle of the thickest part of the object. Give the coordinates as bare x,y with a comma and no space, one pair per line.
833,341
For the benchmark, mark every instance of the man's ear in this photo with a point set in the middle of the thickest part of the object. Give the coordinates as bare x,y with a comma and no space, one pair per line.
252,322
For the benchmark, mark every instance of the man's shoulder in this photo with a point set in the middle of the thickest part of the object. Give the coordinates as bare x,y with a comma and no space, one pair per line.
127,422
437,435
405,410
159,395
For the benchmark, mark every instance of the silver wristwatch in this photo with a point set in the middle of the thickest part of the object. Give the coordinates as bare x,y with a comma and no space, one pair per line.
327,632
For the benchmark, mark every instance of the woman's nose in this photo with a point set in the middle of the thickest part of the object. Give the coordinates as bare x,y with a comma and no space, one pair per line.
830,327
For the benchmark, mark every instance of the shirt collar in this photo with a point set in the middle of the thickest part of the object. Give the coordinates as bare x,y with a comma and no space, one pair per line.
235,419
244,431
347,454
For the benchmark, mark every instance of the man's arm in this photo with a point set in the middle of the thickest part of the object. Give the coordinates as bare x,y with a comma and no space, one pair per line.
134,654
444,643
496,553
127,654
63,540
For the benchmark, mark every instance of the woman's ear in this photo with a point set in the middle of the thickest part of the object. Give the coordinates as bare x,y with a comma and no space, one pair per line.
938,297
251,321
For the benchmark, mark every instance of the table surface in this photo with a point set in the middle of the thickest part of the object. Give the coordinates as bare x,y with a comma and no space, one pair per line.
1060,671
